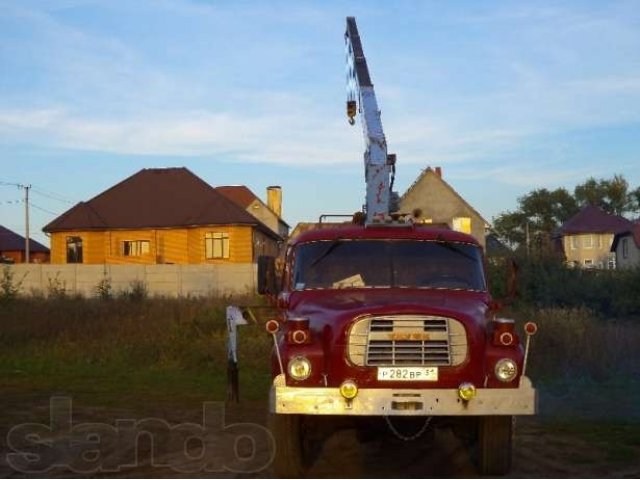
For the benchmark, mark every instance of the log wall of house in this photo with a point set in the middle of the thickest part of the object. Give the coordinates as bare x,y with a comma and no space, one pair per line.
168,246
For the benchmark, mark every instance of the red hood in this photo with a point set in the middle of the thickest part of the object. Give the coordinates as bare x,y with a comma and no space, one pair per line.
339,307
331,313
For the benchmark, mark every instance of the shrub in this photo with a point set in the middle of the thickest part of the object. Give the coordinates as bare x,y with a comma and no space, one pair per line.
9,288
549,283
137,291
56,288
104,289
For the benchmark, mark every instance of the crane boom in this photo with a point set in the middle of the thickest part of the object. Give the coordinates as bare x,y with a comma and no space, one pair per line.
379,166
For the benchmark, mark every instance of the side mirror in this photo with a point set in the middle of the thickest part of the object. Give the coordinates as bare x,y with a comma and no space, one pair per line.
267,275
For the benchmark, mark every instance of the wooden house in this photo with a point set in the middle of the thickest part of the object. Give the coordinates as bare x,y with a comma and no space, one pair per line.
159,215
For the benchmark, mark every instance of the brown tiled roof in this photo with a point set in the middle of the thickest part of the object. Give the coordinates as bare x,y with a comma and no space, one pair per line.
155,198
592,219
12,242
239,194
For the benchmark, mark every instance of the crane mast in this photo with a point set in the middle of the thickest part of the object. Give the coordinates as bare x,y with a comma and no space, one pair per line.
378,164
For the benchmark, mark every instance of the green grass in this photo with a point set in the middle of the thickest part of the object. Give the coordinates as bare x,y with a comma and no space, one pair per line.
177,347
118,348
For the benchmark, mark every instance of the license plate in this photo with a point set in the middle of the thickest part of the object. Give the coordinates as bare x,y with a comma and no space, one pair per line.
408,374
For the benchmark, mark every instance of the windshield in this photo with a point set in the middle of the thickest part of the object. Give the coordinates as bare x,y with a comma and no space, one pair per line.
388,263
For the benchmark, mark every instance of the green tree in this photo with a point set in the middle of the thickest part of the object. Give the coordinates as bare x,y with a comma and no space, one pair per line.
635,200
539,213
612,195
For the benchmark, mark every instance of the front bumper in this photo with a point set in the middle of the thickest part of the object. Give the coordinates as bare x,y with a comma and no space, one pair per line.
402,402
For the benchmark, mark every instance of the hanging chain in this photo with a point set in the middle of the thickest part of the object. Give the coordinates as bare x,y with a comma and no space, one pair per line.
408,438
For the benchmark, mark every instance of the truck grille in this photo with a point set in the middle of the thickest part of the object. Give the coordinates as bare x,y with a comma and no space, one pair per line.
407,340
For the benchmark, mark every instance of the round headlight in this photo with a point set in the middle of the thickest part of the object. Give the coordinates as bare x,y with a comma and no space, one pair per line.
349,389
506,370
299,368
466,391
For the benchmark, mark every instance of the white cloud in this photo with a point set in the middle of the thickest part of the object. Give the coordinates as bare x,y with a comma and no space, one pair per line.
105,93
279,139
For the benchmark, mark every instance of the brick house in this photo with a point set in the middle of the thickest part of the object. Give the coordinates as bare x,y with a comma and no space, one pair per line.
12,248
435,201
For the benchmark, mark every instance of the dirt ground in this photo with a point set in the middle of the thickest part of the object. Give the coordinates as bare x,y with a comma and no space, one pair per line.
539,450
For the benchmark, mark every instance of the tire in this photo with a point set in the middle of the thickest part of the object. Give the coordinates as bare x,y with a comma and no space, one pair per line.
291,459
494,444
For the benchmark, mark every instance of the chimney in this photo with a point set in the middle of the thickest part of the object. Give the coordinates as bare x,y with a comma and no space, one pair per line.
274,199
439,171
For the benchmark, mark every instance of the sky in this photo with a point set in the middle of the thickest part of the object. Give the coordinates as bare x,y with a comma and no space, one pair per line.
505,96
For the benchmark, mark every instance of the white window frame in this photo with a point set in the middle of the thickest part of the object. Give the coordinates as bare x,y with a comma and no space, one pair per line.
587,241
574,241
135,248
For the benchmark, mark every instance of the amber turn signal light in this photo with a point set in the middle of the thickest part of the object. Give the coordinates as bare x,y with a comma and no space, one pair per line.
299,337
530,328
272,326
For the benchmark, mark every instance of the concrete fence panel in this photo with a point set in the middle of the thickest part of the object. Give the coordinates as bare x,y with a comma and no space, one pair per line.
165,280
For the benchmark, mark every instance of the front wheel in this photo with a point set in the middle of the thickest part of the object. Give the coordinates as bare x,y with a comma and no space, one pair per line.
494,444
291,458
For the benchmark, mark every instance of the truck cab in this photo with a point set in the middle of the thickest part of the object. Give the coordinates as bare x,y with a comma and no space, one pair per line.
391,320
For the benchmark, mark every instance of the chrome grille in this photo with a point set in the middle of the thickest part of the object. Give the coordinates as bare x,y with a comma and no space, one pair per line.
407,340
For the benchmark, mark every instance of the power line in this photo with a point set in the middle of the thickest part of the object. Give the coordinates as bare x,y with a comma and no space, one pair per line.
12,184
43,209
52,195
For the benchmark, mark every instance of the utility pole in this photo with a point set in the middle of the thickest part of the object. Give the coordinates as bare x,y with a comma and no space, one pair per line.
26,221
26,216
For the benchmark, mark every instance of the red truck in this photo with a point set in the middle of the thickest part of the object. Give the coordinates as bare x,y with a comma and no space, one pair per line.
387,320
391,320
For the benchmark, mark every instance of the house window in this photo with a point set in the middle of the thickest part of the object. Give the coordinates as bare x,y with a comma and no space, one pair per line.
598,240
462,224
135,248
625,248
588,262
574,242
587,241
216,245
74,249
